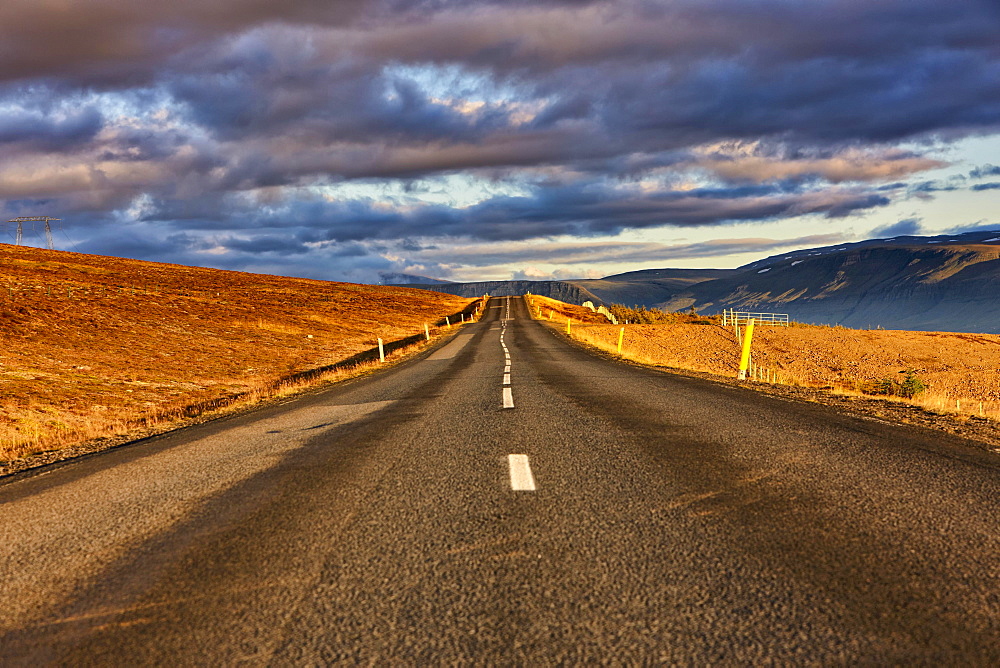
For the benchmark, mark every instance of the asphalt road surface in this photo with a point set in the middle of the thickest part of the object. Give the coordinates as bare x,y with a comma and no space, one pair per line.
570,509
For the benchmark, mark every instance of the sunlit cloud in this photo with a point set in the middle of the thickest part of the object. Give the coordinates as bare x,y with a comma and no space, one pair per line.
283,135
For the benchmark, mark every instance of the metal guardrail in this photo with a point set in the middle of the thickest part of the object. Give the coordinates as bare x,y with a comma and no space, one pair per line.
734,317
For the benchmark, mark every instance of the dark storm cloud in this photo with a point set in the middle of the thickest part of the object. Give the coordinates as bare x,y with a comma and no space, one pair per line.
576,253
289,245
978,226
322,105
126,242
581,209
608,83
693,70
931,187
48,132
904,228
772,31
223,118
119,43
585,210
267,244
985,171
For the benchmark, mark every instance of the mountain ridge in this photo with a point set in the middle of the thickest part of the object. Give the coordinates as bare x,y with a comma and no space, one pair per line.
932,283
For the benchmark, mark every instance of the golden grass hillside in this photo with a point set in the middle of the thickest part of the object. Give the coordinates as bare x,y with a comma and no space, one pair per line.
92,346
545,308
961,371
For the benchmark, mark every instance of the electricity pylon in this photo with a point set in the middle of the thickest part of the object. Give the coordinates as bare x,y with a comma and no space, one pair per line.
48,228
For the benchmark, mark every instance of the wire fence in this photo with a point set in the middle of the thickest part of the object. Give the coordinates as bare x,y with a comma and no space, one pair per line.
732,317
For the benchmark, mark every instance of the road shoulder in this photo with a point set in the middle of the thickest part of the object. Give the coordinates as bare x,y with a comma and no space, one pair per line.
980,432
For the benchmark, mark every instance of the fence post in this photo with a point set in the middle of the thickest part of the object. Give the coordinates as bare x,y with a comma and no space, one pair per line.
381,351
427,331
745,356
621,338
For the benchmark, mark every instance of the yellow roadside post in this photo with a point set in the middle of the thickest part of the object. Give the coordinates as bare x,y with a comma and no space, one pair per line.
569,322
427,332
745,356
621,338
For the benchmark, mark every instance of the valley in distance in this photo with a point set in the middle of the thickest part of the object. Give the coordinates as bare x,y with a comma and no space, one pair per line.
902,328
98,350
946,283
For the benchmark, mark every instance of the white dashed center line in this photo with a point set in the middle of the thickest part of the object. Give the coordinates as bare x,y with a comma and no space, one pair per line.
521,479
508,397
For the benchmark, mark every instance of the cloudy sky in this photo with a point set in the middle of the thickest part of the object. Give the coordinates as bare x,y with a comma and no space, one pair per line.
469,139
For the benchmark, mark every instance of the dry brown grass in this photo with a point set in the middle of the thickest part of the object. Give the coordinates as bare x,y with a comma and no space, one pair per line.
962,371
552,310
93,346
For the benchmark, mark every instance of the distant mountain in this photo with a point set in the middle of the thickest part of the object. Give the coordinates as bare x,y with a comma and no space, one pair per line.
395,278
947,283
565,291
649,287
938,283
967,238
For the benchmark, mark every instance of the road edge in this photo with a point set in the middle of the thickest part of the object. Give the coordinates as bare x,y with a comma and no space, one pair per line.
50,460
982,434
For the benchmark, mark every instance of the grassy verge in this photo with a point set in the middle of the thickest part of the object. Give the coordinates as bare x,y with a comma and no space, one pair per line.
97,435
957,374
92,347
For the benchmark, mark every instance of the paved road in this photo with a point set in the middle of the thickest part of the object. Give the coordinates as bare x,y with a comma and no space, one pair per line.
645,518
